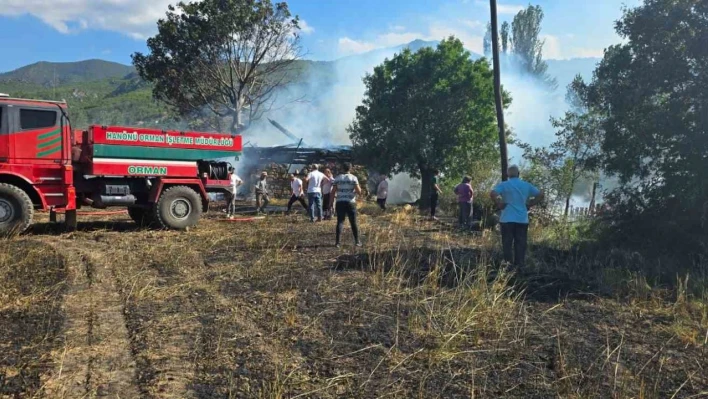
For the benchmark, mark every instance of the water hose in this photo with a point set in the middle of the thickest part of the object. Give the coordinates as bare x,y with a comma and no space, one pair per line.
248,219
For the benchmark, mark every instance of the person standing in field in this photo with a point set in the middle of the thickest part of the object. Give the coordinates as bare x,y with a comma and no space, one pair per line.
345,189
262,199
435,194
514,197
235,183
327,193
297,193
314,193
465,197
382,193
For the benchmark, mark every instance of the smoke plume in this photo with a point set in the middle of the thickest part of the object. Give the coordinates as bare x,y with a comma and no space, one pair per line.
320,105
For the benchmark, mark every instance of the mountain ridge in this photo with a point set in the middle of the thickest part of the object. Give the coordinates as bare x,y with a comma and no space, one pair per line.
46,73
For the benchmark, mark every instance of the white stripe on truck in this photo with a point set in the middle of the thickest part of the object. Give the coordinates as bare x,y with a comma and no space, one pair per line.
143,161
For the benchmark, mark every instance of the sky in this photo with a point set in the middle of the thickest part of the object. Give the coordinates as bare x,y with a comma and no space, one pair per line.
74,30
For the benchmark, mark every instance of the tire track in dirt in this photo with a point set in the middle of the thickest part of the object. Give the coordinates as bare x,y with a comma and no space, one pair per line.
161,322
96,359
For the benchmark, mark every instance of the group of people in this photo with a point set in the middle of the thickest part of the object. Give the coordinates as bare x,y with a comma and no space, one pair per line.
513,197
319,193
326,196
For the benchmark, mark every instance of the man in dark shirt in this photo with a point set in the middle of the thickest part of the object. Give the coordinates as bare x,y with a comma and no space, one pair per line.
262,199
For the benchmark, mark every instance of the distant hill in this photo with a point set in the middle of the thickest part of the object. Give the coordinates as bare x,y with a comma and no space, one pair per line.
59,73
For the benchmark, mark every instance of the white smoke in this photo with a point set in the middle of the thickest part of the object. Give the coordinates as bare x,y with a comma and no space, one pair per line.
321,105
533,104
403,189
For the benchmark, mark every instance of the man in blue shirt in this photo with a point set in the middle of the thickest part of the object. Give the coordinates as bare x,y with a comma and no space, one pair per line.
512,197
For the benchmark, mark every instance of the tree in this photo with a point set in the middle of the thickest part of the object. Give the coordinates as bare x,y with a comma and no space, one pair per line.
570,159
573,156
652,95
225,57
433,109
487,43
505,37
528,47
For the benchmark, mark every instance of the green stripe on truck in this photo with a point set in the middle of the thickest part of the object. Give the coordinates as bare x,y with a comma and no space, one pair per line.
49,152
49,143
173,154
49,134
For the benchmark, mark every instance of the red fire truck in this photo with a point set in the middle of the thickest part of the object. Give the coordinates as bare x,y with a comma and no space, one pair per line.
162,177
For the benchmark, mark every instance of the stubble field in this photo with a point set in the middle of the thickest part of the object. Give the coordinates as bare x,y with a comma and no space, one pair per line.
271,309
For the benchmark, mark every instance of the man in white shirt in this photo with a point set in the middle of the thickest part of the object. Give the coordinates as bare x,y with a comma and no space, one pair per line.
235,183
297,193
382,193
314,193
346,188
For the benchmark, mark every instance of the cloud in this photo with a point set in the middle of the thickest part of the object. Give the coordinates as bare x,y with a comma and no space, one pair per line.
557,48
398,28
134,18
584,52
391,39
551,47
347,46
439,31
436,30
476,25
305,27
509,9
502,9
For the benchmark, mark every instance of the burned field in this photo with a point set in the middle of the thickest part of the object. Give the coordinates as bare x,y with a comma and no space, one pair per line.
270,309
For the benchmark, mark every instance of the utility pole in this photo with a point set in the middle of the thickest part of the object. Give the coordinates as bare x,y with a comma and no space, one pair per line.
498,92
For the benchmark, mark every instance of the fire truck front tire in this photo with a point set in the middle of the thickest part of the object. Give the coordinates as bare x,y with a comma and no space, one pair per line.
178,208
16,210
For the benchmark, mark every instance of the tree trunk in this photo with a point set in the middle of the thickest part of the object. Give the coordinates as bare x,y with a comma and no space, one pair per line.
426,187
236,122
567,206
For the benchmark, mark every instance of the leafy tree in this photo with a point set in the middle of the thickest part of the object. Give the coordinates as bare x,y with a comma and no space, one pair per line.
487,43
652,95
573,156
527,46
433,109
505,37
228,57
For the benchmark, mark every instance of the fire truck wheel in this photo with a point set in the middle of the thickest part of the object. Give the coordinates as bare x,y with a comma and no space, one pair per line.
179,208
144,217
16,210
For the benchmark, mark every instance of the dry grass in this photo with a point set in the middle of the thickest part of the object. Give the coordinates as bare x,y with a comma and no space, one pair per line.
271,309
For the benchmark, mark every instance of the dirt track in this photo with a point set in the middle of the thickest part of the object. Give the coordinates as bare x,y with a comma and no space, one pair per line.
271,309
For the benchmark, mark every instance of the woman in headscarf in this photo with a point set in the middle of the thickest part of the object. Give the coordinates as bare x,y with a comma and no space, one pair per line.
465,195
